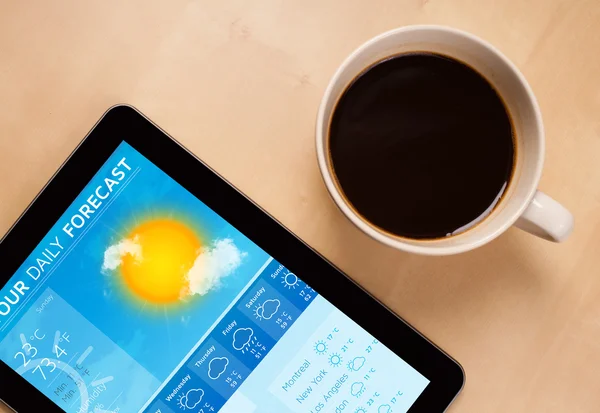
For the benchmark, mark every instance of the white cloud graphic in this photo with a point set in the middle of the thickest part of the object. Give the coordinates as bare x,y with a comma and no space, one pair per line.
113,256
215,262
191,399
217,367
268,309
242,338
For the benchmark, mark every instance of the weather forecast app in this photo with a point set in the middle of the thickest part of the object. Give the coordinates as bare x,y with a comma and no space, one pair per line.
143,299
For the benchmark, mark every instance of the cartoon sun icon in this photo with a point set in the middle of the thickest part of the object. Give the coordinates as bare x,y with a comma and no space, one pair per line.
360,410
290,280
320,347
168,250
335,360
181,401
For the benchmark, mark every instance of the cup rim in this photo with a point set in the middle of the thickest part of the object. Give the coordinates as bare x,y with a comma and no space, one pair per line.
424,247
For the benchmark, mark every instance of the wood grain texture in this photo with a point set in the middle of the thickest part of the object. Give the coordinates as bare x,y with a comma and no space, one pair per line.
239,83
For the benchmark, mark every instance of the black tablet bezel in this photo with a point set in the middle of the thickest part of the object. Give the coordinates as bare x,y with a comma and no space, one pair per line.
125,123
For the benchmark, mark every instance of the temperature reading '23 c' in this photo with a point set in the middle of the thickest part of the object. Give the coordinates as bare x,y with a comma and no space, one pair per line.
30,349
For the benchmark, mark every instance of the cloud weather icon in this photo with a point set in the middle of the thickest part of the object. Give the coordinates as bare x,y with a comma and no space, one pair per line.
217,367
267,309
242,337
384,408
356,363
191,399
357,389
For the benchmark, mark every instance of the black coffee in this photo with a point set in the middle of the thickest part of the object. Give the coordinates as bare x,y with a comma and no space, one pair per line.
421,145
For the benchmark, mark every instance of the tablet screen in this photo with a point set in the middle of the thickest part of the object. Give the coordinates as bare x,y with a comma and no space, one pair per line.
142,299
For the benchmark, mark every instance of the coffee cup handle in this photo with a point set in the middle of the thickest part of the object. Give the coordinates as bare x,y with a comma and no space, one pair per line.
546,218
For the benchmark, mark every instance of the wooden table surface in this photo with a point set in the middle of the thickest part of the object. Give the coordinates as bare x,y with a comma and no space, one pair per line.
239,82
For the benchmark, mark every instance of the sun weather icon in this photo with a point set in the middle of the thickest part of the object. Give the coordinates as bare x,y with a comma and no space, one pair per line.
290,280
360,410
335,360
320,347
191,399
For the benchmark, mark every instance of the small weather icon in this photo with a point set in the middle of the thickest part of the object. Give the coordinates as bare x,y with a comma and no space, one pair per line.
191,399
290,280
242,339
360,410
357,389
320,347
356,363
217,367
384,408
335,360
267,310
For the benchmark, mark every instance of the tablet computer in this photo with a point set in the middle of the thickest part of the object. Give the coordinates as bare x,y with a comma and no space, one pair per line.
139,280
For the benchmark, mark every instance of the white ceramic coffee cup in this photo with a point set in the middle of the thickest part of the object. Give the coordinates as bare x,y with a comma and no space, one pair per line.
522,204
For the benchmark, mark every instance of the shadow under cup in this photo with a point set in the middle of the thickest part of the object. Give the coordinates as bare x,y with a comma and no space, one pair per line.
516,95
